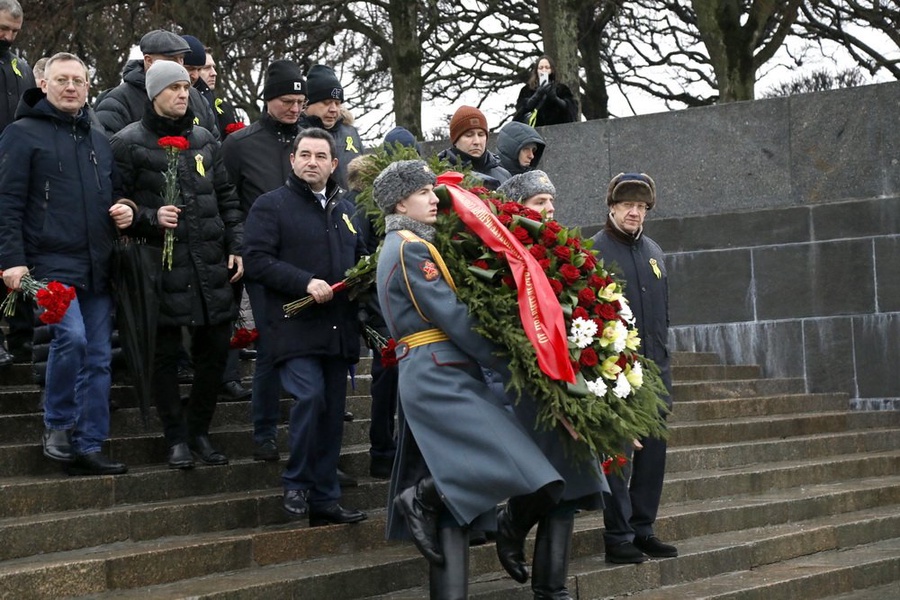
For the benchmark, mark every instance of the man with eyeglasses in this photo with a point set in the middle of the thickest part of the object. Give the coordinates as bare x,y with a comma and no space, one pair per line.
127,103
631,509
258,161
15,77
60,205
324,99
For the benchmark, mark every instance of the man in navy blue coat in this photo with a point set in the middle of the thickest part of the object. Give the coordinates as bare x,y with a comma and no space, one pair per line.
631,510
58,222
300,240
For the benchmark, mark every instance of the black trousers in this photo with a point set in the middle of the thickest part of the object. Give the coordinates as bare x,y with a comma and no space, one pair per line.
384,409
209,349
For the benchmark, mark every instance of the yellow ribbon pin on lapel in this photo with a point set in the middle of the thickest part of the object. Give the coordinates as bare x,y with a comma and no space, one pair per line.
14,63
350,147
349,224
655,267
199,160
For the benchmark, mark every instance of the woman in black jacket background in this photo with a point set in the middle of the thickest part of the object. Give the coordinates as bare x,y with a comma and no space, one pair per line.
543,100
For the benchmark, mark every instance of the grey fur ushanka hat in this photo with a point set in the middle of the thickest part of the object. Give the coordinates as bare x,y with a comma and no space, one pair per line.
400,179
523,186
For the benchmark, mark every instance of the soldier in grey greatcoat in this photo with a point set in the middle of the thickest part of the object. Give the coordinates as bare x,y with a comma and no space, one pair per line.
461,451
585,482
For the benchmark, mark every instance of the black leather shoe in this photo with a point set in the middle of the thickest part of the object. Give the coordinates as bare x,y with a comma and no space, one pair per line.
345,480
185,374
420,505
624,553
334,515
294,503
233,391
266,451
380,467
203,448
348,416
651,546
6,358
58,445
180,457
95,463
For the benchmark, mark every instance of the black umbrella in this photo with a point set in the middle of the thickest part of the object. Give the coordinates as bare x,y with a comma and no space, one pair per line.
136,281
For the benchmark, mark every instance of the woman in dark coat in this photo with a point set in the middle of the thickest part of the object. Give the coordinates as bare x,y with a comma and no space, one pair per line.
461,451
543,100
196,292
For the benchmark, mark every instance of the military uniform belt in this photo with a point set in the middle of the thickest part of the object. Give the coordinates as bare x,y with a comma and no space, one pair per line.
421,338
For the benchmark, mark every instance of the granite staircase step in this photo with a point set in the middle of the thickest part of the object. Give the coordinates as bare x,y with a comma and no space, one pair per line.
759,473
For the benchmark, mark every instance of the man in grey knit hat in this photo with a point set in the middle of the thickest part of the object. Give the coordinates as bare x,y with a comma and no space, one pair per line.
532,189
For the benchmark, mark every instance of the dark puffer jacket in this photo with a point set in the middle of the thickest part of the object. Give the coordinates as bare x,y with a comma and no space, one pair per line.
56,187
510,141
488,165
15,77
210,227
127,102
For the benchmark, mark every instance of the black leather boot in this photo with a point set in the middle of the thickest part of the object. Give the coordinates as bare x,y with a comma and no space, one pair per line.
552,548
450,580
420,506
514,521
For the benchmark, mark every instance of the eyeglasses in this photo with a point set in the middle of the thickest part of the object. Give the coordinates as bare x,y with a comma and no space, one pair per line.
639,206
289,103
62,82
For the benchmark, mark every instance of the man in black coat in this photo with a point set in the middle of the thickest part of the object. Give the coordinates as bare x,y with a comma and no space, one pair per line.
258,161
300,241
127,102
207,224
631,510
58,222
15,77
324,98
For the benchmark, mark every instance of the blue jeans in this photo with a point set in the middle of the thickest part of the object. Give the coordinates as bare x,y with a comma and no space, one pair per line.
318,386
78,372
265,401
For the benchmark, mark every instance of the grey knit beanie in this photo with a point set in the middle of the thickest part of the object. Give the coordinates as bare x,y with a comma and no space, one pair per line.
525,185
162,74
400,179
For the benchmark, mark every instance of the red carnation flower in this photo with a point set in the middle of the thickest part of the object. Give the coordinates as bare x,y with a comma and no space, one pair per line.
232,127
243,337
54,298
174,141
389,354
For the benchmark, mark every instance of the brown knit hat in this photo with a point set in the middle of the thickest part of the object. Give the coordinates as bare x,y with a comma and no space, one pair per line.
631,187
464,119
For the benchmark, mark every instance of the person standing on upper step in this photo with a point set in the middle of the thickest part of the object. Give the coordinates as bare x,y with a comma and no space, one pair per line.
324,99
633,504
520,148
207,224
60,205
469,136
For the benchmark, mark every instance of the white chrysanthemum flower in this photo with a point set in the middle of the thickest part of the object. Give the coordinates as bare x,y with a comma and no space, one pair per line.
582,332
623,388
636,375
598,387
625,311
620,336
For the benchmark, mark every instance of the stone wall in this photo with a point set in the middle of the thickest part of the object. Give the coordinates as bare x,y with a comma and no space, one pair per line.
781,219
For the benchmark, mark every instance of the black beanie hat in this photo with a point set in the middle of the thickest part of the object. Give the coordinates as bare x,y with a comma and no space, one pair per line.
322,84
283,77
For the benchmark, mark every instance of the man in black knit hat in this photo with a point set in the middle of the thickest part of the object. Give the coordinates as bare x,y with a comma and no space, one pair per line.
258,161
324,97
